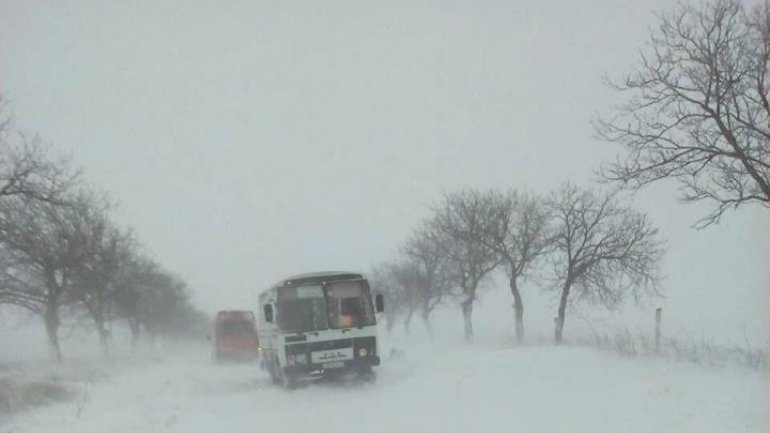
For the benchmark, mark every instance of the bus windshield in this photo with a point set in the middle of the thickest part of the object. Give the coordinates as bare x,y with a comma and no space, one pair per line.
349,305
302,308
318,307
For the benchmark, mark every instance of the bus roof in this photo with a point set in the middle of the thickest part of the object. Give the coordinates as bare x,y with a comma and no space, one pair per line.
319,277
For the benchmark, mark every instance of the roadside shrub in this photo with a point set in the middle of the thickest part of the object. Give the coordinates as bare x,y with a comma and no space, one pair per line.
17,395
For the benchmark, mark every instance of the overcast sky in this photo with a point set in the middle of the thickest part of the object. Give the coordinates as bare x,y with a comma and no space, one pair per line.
247,141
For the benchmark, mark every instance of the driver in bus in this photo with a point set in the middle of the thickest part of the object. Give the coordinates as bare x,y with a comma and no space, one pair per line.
350,313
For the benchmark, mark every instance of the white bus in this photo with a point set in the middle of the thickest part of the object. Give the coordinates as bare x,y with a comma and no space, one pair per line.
319,324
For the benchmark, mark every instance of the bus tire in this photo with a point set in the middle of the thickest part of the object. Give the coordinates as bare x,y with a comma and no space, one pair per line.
288,381
272,368
366,374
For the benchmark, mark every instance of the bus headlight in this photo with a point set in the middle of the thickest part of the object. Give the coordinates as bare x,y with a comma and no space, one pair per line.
362,352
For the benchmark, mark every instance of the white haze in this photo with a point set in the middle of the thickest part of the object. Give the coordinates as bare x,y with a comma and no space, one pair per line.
250,140
424,386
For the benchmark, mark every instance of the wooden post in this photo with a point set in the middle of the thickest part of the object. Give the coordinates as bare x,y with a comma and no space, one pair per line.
658,314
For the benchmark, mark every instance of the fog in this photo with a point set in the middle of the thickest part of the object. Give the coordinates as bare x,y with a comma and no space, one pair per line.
248,141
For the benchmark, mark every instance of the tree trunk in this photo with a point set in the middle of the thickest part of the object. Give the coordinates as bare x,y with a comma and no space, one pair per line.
391,323
136,330
97,314
425,314
559,320
467,307
518,308
153,343
408,321
104,334
52,330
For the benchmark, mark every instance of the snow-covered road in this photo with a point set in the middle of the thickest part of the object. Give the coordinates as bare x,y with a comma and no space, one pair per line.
428,389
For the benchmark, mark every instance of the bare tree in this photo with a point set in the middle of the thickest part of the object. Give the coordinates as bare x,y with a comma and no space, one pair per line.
382,281
461,227
698,110
520,238
96,282
137,275
58,247
28,174
404,276
164,303
28,168
602,251
5,118
45,244
428,270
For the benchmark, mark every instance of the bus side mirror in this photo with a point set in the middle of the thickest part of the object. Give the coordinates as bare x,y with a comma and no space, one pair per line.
379,303
268,313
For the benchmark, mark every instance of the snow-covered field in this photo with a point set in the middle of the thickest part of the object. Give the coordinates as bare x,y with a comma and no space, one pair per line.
428,387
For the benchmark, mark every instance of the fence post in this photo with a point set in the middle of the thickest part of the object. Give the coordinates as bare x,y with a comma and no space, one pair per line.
658,314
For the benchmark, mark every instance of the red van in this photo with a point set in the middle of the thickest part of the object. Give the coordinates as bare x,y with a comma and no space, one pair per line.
235,336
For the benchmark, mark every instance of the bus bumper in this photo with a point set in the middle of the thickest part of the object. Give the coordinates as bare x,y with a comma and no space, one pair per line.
359,365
